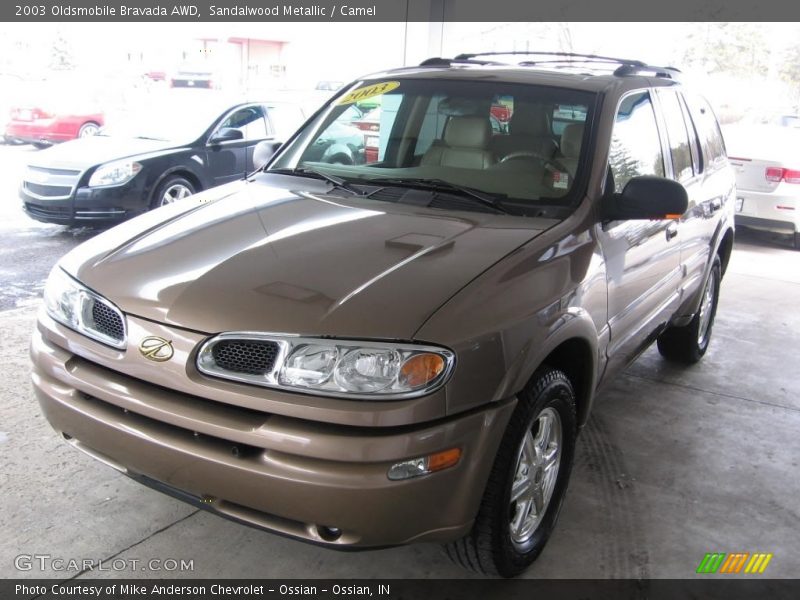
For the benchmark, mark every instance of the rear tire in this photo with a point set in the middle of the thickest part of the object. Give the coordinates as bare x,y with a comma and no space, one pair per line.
88,129
797,240
40,145
533,465
689,343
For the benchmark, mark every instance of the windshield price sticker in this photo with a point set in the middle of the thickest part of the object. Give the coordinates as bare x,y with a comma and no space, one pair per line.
369,91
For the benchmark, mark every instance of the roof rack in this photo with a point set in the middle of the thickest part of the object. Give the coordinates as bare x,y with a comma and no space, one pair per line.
624,67
568,55
666,72
446,62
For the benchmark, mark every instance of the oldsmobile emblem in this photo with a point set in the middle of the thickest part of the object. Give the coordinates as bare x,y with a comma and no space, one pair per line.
156,348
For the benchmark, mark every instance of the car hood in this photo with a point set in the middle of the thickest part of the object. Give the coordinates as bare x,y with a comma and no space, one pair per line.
261,257
90,151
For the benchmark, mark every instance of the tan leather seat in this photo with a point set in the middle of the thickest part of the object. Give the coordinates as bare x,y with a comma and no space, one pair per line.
465,141
528,132
571,141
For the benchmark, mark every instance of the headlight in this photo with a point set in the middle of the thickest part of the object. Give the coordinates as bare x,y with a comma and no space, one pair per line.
79,308
340,368
115,173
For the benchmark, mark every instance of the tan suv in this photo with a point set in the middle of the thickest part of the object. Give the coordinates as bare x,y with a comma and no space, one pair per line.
363,355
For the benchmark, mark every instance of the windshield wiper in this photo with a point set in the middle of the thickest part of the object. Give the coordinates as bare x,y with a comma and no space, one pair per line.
444,186
336,182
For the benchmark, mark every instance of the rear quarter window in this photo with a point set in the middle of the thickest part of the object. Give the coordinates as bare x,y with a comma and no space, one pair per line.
711,141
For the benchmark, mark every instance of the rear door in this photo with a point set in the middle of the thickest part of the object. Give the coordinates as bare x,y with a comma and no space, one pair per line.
710,190
642,257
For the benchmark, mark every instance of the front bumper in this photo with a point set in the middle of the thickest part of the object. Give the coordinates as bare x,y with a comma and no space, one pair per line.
87,206
290,475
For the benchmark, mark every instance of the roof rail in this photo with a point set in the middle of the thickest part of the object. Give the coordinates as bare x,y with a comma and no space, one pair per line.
446,62
625,67
567,55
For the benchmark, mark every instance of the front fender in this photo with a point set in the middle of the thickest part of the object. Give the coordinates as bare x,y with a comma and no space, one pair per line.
505,323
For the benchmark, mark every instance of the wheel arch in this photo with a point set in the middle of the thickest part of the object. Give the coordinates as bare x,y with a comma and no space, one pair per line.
573,349
575,358
725,249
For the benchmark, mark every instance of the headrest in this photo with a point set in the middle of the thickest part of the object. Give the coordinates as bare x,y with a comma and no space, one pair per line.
528,119
468,132
571,139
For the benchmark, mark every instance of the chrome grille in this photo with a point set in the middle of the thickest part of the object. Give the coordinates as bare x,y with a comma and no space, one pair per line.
251,357
44,183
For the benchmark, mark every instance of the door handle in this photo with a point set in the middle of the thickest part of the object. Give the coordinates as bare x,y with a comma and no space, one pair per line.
716,204
671,231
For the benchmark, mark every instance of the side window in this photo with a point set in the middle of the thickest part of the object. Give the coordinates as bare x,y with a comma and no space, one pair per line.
285,120
356,141
635,144
249,120
567,114
677,134
694,142
708,131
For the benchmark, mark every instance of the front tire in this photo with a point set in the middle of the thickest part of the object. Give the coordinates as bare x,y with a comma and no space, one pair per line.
689,343
527,483
172,189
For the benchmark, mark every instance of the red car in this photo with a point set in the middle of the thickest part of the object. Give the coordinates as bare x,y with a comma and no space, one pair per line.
43,128
370,124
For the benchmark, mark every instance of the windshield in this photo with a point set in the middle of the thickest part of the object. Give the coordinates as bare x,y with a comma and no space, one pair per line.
520,144
182,123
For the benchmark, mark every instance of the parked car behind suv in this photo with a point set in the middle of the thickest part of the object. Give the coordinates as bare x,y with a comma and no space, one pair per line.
151,158
767,168
370,354
52,111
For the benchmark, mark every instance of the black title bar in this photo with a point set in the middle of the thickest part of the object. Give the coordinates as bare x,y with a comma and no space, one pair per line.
711,588
394,10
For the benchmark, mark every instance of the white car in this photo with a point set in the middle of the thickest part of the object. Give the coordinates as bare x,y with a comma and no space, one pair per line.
767,163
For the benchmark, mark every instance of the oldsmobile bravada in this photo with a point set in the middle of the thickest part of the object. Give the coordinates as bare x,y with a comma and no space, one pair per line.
363,352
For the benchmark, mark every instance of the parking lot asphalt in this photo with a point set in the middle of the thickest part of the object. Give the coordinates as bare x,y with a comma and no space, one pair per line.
674,462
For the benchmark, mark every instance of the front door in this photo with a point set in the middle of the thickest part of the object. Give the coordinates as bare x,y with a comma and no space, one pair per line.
642,257
232,160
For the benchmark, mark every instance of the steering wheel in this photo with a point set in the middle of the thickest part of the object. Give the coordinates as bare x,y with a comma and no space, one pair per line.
547,162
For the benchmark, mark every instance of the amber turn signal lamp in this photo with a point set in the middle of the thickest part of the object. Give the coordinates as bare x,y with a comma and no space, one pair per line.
424,464
442,460
421,369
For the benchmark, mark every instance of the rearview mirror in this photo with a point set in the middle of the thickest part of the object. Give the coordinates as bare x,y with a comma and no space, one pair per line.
264,151
646,197
226,134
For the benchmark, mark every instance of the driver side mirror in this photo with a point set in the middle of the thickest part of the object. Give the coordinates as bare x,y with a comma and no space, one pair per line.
645,197
226,134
